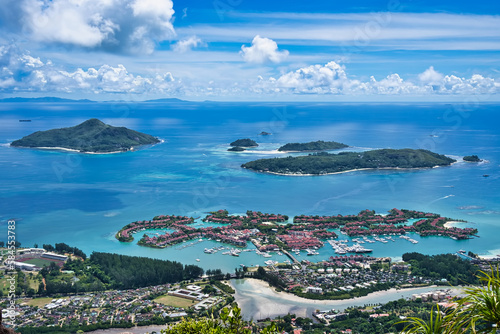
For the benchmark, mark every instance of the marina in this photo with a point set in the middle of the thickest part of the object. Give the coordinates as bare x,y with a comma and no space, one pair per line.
118,189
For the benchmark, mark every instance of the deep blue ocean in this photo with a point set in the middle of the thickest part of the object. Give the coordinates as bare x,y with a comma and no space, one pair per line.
83,199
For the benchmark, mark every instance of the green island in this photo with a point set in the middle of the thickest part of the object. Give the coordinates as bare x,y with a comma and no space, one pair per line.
312,146
328,163
472,158
91,136
246,142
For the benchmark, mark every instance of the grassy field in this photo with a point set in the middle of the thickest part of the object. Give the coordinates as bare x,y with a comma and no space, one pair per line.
40,302
4,285
174,301
39,262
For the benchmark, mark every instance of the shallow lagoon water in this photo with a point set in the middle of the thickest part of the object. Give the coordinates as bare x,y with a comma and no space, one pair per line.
83,200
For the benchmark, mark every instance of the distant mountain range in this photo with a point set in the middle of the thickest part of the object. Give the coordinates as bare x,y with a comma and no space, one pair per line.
58,99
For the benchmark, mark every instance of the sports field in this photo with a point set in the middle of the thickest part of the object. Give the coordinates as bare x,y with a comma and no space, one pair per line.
39,262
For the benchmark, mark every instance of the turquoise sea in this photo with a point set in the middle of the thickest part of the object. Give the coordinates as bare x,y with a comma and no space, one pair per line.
83,199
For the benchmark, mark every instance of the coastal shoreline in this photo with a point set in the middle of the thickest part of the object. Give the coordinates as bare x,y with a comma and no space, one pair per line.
73,150
57,148
342,172
258,284
453,223
258,300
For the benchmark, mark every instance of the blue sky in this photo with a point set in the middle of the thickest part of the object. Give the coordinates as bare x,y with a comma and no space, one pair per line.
393,50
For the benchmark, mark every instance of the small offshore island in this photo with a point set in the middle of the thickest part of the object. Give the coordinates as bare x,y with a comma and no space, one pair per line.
472,158
329,163
313,146
91,136
241,144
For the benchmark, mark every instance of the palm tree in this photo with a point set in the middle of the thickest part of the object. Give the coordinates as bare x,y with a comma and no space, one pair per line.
479,310
438,323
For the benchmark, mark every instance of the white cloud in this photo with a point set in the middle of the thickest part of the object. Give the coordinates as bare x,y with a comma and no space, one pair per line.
331,78
315,78
23,73
263,50
361,31
130,26
185,45
431,77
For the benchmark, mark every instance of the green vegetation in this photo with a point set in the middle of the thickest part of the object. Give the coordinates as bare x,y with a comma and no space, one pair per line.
448,266
63,248
433,325
472,158
224,287
174,301
477,312
359,321
89,136
236,149
74,327
103,271
229,322
312,146
325,163
128,272
39,262
244,143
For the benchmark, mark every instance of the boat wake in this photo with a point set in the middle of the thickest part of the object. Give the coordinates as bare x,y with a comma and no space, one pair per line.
441,198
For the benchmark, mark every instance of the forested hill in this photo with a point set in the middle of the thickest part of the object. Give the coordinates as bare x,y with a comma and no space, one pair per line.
89,136
312,146
325,163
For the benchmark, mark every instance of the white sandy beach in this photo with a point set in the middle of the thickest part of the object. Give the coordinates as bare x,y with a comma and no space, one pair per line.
342,172
73,150
453,223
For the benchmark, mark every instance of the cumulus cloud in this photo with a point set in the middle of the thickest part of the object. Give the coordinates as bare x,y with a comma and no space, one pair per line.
187,44
332,78
315,78
130,26
263,50
431,76
22,72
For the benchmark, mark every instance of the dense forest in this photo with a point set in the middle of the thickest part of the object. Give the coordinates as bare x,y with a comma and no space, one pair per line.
312,146
134,272
89,136
104,271
449,266
324,163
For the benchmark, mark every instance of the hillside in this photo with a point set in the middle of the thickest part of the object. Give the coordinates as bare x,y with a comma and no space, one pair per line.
312,146
326,163
89,136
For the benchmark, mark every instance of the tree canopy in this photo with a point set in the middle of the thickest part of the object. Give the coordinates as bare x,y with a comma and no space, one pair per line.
324,163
